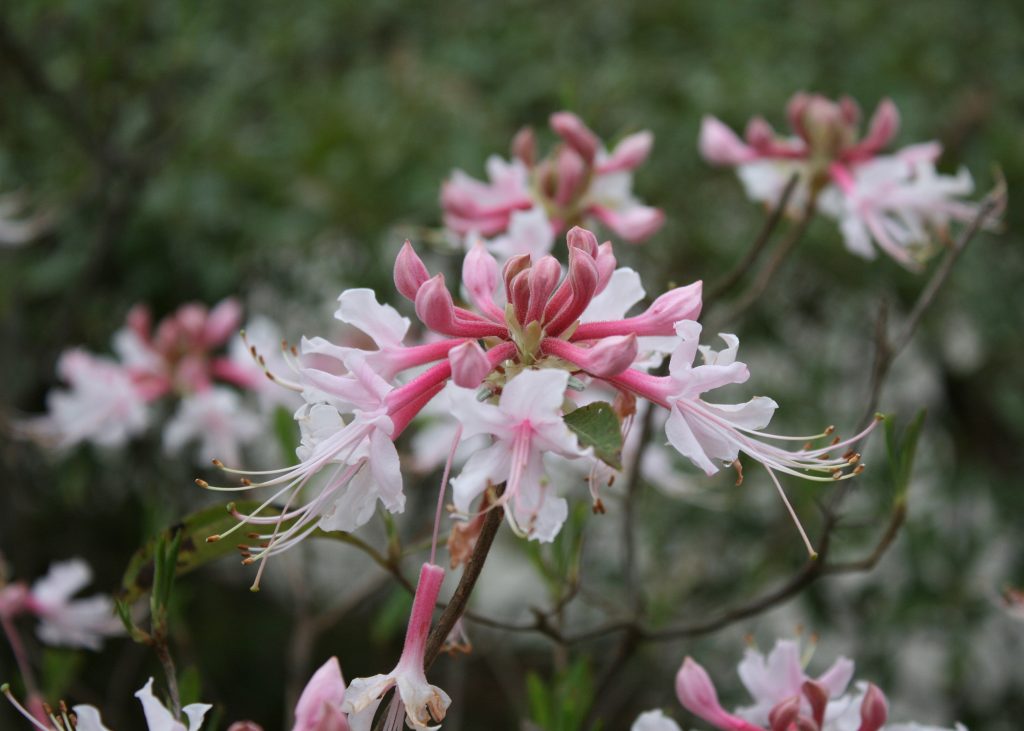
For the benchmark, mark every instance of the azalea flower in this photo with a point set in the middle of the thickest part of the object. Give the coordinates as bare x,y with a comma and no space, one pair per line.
898,202
111,400
786,698
87,718
63,620
422,703
526,202
319,706
526,424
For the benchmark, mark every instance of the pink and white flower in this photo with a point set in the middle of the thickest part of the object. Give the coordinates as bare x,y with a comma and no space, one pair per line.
527,201
897,201
63,620
87,718
319,706
422,703
787,699
533,330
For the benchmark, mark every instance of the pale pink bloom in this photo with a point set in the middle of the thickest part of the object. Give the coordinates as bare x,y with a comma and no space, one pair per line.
215,418
529,232
319,706
526,424
64,620
787,698
102,404
897,201
485,208
654,721
158,718
528,201
423,704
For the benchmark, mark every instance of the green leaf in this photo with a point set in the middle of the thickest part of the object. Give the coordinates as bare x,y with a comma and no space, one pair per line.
597,426
193,549
902,448
285,432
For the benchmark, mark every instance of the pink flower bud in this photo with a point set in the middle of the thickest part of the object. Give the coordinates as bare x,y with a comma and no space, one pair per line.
140,321
874,709
885,122
719,145
582,281
571,172
580,238
795,109
697,694
605,265
191,319
850,110
783,714
222,322
519,294
576,134
608,357
513,266
434,305
759,134
524,146
470,365
480,277
630,153
319,706
544,276
817,696
410,272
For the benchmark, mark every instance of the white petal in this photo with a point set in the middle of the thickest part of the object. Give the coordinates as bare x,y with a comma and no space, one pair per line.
490,465
654,721
535,395
158,718
623,291
360,308
89,719
681,436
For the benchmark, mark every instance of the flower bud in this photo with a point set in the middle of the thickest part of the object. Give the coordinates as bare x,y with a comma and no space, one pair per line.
470,365
571,171
634,224
630,153
885,122
576,134
410,272
580,238
784,713
544,276
719,145
524,146
480,276
222,322
874,709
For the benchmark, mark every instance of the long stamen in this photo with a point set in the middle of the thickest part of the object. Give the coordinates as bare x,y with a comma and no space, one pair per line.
792,513
6,690
441,491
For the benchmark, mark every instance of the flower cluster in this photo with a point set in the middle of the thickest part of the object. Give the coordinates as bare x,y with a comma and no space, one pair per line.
526,202
109,400
785,698
509,368
899,201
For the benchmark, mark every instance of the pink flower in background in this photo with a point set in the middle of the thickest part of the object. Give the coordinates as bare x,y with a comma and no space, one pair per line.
63,620
787,699
899,201
527,202
319,706
109,401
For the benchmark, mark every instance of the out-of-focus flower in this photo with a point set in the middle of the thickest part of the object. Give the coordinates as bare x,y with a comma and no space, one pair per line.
898,202
63,620
109,401
319,706
527,202
786,698
87,718
423,704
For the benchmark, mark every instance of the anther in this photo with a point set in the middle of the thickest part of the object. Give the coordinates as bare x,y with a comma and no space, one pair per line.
202,483
829,429
218,464
858,469
849,454
246,481
853,458
213,539
598,507
836,440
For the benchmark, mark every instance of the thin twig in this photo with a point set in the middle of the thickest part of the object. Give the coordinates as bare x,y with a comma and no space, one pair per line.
743,266
886,349
460,598
767,273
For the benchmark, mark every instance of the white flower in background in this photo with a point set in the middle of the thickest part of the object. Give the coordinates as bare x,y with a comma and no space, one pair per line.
67,621
217,419
654,721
